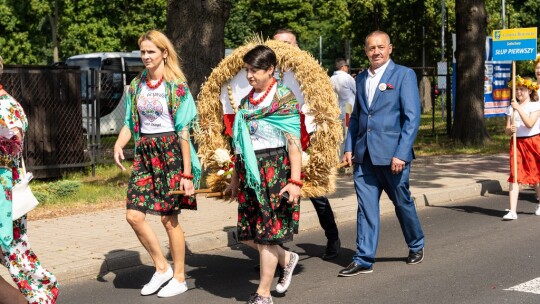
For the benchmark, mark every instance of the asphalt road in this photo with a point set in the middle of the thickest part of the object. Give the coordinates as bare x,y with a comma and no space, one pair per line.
471,257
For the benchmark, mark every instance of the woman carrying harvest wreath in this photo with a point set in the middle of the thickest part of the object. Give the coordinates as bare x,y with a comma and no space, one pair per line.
266,141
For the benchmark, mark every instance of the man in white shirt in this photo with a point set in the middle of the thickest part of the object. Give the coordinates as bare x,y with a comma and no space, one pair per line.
344,85
345,88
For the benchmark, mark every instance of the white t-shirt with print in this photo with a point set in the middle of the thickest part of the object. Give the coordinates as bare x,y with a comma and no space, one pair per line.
153,110
521,129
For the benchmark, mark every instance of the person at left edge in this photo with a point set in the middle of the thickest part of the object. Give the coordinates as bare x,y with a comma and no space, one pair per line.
37,284
159,112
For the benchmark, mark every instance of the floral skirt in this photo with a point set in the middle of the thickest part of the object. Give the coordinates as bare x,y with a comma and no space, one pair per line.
528,160
272,220
156,171
36,283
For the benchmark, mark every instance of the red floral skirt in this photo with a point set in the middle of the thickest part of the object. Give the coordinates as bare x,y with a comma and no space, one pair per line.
528,160
156,171
272,220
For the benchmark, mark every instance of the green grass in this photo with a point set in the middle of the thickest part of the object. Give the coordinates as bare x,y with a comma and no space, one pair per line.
75,189
436,142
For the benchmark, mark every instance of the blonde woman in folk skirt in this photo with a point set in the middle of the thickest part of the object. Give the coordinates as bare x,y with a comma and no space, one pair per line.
160,112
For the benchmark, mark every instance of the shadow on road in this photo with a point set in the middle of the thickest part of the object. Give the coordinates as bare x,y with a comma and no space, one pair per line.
525,196
227,277
117,261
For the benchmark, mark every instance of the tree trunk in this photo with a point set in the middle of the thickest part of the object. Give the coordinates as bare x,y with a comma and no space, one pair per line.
196,28
54,29
471,23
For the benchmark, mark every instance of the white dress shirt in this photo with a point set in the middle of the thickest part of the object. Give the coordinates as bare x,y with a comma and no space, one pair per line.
372,81
345,88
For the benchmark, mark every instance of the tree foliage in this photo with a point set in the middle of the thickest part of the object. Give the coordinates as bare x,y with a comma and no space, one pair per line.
27,28
310,20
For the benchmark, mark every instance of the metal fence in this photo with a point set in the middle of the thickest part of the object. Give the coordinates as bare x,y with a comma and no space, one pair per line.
63,106
434,107
103,113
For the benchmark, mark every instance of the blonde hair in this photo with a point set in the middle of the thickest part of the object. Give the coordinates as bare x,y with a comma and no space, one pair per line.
172,63
529,83
536,61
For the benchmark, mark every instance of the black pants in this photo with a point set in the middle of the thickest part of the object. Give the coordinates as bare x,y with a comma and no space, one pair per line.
326,217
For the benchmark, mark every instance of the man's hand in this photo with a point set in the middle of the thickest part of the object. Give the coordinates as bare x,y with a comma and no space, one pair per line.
397,165
347,157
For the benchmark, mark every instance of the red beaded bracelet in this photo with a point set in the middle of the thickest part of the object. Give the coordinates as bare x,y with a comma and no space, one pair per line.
295,182
186,176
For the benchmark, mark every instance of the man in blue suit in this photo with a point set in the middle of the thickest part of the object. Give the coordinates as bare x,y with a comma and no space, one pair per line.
379,144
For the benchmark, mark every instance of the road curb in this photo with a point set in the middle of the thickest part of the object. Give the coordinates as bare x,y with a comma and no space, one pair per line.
481,188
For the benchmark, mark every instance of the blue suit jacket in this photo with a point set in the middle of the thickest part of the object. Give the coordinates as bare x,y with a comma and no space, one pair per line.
388,127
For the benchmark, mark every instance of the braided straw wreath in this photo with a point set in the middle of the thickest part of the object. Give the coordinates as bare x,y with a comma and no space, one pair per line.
319,170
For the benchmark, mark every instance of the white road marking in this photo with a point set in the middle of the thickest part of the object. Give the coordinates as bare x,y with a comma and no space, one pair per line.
532,286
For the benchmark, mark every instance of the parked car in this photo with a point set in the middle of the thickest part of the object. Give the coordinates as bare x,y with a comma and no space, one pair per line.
103,79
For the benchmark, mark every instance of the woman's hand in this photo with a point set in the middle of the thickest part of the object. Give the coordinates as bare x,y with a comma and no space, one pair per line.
294,192
233,186
187,186
119,157
123,139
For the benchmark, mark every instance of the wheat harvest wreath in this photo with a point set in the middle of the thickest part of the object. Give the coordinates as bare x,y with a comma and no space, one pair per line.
220,95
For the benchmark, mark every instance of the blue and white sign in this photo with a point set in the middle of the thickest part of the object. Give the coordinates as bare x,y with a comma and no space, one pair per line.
514,44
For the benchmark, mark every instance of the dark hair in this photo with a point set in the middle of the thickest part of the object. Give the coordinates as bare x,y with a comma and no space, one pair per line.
340,62
284,31
261,57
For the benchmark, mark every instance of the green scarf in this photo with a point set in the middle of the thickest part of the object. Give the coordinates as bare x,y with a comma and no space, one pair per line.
282,114
6,222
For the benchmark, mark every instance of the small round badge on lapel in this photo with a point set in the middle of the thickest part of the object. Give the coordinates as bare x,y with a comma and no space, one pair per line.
382,86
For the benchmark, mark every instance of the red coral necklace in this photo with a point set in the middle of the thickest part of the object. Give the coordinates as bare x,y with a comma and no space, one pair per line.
261,99
153,86
1,87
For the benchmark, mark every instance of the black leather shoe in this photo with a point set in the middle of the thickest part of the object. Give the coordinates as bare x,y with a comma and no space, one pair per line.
415,257
332,250
354,269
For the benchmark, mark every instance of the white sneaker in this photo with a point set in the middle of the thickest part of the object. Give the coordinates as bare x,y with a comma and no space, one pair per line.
286,274
172,289
511,215
537,212
157,280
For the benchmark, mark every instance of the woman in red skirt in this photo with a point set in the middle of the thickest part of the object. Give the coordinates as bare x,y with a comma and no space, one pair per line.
527,128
